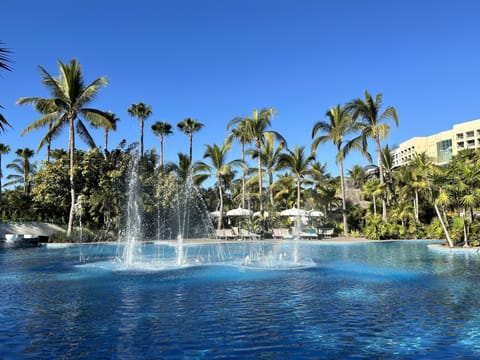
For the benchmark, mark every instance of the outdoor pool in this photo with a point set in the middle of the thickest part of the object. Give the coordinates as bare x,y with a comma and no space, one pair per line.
360,300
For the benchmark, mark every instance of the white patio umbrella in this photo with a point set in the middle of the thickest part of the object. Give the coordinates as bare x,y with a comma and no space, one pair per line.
215,214
315,213
239,212
294,212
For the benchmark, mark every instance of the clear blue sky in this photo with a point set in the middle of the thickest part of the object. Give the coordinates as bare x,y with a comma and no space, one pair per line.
214,60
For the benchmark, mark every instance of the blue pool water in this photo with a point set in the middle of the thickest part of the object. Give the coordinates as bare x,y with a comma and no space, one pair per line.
359,301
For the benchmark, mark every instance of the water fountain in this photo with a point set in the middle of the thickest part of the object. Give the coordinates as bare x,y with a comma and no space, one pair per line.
181,217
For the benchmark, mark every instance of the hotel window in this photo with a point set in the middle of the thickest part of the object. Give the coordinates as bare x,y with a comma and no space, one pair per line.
460,145
459,136
444,151
470,144
470,134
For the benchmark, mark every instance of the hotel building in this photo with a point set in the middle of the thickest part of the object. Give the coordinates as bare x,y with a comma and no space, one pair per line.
440,147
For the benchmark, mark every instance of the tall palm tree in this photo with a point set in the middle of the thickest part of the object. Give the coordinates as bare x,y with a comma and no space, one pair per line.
4,60
4,149
270,155
162,129
220,168
190,126
107,126
257,127
299,163
372,126
338,126
141,112
242,134
69,97
23,170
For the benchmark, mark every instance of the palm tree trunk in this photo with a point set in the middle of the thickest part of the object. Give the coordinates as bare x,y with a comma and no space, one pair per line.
72,187
298,192
382,180
141,136
106,140
220,216
374,205
270,188
416,204
344,202
161,151
243,175
191,145
445,230
260,176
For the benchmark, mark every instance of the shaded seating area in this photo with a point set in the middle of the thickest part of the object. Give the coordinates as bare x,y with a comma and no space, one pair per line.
282,234
245,234
226,234
326,232
309,234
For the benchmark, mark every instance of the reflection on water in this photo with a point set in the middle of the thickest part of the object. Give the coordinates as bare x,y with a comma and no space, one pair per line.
378,300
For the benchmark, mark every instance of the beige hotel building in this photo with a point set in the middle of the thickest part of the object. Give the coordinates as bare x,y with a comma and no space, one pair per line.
440,147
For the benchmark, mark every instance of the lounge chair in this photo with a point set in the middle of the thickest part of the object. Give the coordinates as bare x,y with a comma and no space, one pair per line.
220,233
326,232
282,233
309,234
246,234
230,234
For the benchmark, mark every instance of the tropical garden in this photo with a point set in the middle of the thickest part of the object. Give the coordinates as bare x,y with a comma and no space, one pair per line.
419,200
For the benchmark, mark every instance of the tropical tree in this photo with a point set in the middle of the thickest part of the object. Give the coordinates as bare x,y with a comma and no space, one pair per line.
257,127
184,169
334,130
190,126
357,175
242,134
141,112
220,168
22,170
299,163
161,129
111,124
372,188
4,149
372,126
270,154
4,60
66,106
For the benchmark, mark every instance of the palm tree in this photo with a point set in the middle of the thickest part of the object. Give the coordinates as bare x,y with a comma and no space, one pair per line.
257,127
141,112
190,126
372,126
23,168
299,163
69,97
270,155
4,149
107,126
162,129
4,60
338,126
184,169
242,134
357,175
221,168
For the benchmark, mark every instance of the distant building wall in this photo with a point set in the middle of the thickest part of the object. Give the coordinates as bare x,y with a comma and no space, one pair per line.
440,147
